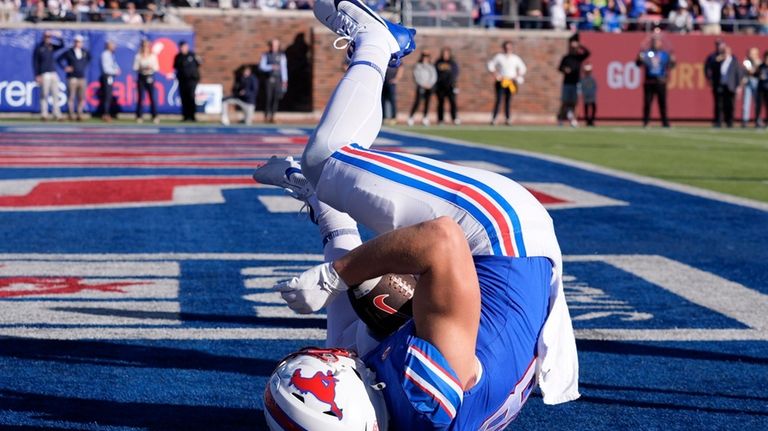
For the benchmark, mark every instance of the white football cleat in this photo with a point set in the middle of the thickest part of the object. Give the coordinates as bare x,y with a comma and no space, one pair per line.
285,173
347,18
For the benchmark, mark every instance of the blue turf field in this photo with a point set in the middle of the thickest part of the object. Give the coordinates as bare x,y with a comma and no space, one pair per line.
135,262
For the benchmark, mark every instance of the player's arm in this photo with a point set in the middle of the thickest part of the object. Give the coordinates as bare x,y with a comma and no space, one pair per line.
446,300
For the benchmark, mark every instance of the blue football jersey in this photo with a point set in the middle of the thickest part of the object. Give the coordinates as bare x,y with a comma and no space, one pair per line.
421,389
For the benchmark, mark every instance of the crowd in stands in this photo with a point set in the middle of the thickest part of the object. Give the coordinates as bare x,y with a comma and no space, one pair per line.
108,11
708,16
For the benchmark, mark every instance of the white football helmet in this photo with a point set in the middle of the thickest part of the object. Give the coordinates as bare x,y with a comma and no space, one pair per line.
324,389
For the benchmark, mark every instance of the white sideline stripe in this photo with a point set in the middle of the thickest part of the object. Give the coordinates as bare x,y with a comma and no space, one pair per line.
672,334
291,131
102,333
270,271
79,268
280,204
102,313
748,306
422,151
284,312
94,257
690,190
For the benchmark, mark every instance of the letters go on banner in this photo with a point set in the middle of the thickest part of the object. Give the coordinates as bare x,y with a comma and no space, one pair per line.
620,82
20,93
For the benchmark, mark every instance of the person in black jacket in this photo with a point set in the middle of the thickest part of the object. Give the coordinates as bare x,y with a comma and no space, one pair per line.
46,76
75,61
570,67
761,73
726,76
274,64
445,88
244,93
187,67
712,74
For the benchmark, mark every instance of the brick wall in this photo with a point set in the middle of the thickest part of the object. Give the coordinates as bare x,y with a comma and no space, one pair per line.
228,39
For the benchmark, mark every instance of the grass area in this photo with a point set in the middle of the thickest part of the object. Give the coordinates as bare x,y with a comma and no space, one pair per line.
729,161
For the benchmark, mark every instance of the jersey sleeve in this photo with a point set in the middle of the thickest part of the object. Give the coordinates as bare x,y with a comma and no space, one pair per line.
430,384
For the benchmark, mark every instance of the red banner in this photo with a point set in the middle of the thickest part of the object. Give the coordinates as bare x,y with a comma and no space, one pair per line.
620,81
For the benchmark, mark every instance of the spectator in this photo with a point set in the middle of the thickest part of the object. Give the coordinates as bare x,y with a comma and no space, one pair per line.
38,14
681,19
747,11
534,12
762,92
751,64
109,70
9,10
47,78
557,14
425,75
637,9
614,13
389,94
589,14
244,93
712,11
570,67
508,71
275,65
712,75
146,64
728,19
131,16
762,17
81,11
657,64
153,14
187,67
94,12
445,88
114,14
730,76
75,62
589,95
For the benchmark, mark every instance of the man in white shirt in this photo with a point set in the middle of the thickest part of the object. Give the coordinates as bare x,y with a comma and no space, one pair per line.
509,71
109,69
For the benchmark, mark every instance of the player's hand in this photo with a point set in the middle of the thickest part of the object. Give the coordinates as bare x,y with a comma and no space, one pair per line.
311,290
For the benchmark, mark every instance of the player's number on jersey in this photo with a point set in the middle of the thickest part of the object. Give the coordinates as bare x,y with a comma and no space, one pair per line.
512,405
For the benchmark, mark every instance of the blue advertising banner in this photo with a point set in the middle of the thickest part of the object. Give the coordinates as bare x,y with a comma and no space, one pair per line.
20,93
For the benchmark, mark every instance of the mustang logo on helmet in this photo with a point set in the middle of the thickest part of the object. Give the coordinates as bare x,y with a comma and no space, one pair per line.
323,387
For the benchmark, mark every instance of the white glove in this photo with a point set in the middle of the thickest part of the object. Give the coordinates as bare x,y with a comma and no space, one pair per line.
312,289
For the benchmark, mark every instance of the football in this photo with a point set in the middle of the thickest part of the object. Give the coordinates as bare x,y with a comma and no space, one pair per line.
384,303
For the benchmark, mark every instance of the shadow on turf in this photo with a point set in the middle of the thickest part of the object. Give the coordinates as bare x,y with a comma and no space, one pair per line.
101,413
199,317
625,348
130,355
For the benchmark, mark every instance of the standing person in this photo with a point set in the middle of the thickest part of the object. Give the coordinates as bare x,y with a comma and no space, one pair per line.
425,75
244,93
490,318
762,92
712,74
146,65
75,61
274,64
657,64
730,76
508,71
389,94
187,67
445,88
570,67
47,78
588,87
109,70
751,63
